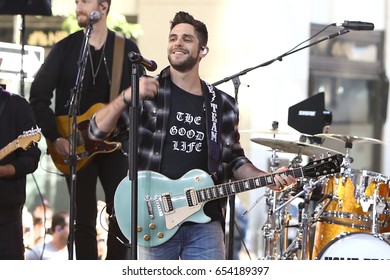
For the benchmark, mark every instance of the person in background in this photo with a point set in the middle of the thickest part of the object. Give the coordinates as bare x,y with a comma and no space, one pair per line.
101,229
28,228
42,219
57,248
16,119
187,124
57,77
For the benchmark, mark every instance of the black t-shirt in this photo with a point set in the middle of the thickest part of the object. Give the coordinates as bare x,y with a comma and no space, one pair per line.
185,145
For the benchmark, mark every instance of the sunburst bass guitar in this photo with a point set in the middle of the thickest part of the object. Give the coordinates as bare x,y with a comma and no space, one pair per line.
163,204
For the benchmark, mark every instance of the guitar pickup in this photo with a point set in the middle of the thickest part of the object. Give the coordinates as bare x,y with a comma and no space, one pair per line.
167,203
192,199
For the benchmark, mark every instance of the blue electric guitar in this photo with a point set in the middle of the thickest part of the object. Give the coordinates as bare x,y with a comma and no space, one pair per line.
165,204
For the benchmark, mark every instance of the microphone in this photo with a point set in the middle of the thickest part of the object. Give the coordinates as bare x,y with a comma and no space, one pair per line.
357,25
94,16
150,65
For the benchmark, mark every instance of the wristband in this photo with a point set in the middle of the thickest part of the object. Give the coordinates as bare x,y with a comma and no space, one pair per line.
94,132
128,104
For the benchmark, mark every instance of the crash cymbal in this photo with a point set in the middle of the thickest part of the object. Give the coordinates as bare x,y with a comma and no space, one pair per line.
294,147
349,138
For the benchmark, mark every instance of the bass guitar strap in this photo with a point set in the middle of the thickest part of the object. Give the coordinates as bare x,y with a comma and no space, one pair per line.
117,65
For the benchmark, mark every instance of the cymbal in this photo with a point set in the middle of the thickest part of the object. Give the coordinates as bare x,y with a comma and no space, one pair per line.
294,147
269,131
349,138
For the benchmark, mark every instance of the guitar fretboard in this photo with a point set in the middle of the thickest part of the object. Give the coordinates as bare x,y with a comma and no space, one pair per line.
9,149
231,188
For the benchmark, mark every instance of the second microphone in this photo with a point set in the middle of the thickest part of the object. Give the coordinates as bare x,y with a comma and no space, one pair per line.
150,65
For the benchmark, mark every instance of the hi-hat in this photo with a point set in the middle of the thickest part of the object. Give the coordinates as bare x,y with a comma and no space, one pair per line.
349,139
294,147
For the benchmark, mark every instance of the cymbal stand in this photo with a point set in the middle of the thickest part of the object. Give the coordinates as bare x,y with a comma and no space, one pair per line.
303,237
284,215
284,218
307,189
287,252
270,233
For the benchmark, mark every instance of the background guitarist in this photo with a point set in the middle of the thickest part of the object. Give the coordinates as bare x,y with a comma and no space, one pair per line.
195,127
16,117
58,75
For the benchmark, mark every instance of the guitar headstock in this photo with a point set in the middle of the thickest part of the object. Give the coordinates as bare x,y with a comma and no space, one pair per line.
28,137
325,166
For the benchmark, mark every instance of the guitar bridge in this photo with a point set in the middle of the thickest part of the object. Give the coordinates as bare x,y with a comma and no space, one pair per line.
149,207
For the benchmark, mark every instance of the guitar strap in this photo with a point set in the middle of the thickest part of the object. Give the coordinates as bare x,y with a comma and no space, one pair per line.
3,99
117,65
213,104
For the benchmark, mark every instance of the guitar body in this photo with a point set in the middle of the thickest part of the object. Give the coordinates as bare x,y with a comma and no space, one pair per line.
156,224
163,205
86,148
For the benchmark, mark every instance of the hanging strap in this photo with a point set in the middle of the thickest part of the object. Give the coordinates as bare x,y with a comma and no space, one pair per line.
117,65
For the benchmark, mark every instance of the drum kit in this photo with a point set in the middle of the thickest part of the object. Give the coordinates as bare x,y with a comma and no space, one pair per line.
342,216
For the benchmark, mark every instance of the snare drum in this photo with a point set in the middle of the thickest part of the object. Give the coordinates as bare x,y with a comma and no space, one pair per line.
356,246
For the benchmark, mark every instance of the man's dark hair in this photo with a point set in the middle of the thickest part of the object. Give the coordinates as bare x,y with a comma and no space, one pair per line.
200,27
109,4
59,219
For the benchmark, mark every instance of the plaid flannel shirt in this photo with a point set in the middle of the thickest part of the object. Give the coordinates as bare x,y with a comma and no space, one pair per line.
224,158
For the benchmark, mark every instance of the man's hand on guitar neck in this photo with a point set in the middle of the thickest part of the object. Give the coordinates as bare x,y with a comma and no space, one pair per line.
281,181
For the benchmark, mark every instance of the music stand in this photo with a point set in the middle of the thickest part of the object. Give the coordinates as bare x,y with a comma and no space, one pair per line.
23,8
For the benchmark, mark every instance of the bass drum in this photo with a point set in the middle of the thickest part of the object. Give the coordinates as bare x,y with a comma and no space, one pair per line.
356,246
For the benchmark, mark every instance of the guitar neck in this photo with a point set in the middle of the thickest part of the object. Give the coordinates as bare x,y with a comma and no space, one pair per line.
231,188
8,149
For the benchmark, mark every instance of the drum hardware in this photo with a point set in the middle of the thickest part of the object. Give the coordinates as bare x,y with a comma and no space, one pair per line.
270,230
352,220
299,247
286,220
277,224
296,162
283,217
290,252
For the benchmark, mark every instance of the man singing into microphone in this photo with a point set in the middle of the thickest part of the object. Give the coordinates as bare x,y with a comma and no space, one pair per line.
57,77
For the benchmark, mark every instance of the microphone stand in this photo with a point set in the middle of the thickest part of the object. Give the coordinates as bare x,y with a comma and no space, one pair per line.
243,72
22,41
73,110
232,198
133,156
